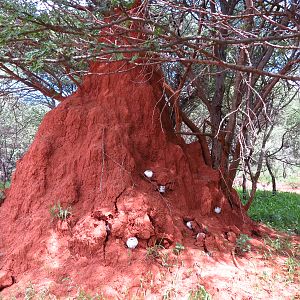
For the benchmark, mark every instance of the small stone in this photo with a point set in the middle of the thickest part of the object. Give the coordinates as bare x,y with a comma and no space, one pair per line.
132,242
149,174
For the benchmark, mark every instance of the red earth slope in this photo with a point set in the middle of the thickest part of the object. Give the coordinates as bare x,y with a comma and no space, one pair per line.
90,154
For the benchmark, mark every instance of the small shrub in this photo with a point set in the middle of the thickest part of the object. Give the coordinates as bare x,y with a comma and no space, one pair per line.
242,244
154,252
4,185
199,294
280,245
178,248
58,212
292,265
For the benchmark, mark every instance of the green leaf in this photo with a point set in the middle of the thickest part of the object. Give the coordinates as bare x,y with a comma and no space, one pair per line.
118,56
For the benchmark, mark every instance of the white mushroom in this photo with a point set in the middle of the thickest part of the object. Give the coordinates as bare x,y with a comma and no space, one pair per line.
218,210
200,236
162,189
132,242
148,174
189,224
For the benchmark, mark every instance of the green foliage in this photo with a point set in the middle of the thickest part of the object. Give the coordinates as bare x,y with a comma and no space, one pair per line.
58,212
4,185
48,45
117,56
280,245
153,252
292,265
242,244
123,3
158,30
280,211
37,38
199,294
156,253
284,247
178,248
134,58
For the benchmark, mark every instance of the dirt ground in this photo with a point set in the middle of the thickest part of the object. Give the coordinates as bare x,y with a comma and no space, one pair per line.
281,187
267,271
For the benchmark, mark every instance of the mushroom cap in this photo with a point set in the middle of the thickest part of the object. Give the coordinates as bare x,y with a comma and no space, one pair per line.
148,173
132,242
189,224
218,210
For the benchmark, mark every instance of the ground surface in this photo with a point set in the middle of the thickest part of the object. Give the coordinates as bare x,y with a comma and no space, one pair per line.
268,271
281,187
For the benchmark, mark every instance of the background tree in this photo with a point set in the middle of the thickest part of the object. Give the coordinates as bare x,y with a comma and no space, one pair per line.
18,124
267,139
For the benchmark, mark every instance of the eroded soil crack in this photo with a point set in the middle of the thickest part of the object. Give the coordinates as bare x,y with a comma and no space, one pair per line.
13,281
108,232
116,200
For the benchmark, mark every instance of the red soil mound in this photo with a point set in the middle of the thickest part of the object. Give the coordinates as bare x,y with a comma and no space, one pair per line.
90,154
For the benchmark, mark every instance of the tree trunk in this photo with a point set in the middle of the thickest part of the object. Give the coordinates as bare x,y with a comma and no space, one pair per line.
274,191
252,195
4,176
244,184
284,175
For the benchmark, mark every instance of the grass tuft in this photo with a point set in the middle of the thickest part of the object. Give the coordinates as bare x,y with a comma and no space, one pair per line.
58,212
199,294
242,244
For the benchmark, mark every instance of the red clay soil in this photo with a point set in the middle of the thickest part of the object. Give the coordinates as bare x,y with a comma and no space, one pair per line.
90,154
